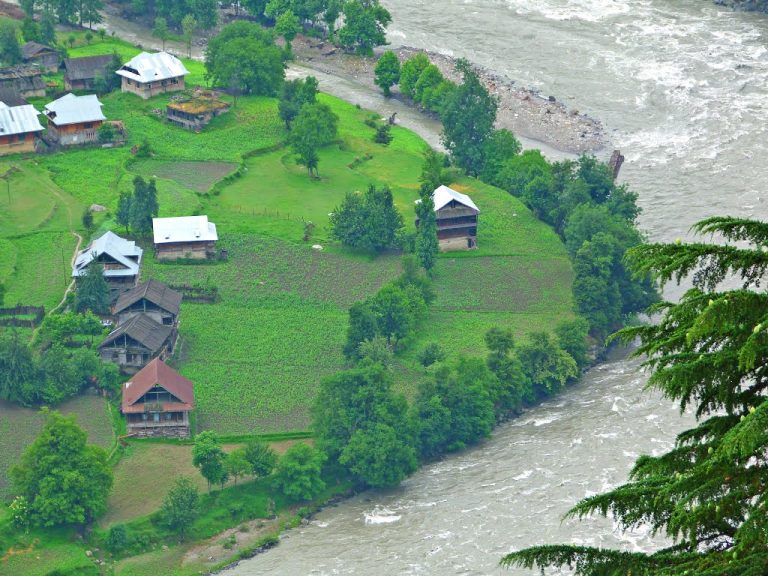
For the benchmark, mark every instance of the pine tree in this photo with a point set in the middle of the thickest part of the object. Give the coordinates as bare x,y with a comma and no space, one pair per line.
708,352
426,232
92,290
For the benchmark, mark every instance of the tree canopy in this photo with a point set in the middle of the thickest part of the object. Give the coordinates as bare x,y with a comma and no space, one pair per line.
92,290
64,480
368,221
365,24
299,472
293,95
387,72
209,458
315,126
708,352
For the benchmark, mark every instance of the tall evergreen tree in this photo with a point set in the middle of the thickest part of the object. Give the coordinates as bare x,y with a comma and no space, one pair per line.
708,352
426,232
92,290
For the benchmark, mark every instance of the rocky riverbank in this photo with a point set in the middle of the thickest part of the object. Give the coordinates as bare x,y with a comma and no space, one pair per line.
521,110
746,5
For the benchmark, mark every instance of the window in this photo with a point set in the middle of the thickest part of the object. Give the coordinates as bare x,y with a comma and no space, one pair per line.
167,320
156,417
88,125
174,80
22,137
162,83
144,416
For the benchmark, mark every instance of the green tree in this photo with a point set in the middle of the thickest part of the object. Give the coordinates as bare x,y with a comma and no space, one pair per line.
362,326
468,117
123,213
315,126
160,30
143,206
428,81
10,51
512,387
261,457
426,245
208,457
431,354
708,353
92,290
180,506
64,480
205,13
18,370
365,23
188,27
236,464
410,72
548,366
380,455
293,95
500,146
47,28
376,351
87,219
299,472
117,538
331,15
106,132
287,25
89,12
368,221
248,50
572,335
387,72
30,30
28,6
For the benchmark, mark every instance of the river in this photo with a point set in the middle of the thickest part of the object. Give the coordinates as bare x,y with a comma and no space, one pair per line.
681,87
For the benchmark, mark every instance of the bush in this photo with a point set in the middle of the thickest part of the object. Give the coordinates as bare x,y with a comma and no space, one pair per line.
383,135
431,354
117,539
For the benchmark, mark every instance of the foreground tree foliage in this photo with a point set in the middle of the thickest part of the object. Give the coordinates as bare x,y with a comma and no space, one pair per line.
315,126
299,472
180,506
709,352
92,290
62,479
209,458
387,72
368,221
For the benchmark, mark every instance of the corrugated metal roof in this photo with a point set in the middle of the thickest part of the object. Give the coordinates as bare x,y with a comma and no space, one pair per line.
120,249
148,67
444,195
183,229
19,120
71,109
153,291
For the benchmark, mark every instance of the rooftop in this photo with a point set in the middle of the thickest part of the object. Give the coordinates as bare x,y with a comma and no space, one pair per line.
154,291
71,109
124,251
444,195
32,49
183,229
148,67
143,330
18,119
199,105
86,68
159,373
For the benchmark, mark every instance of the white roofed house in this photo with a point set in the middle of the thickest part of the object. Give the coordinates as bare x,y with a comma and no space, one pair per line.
74,119
148,75
19,128
456,215
184,237
120,258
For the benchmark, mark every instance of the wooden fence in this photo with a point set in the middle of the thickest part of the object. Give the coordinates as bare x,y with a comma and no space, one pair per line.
8,316
200,294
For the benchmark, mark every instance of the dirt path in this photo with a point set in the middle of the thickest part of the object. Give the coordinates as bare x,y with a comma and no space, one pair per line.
74,254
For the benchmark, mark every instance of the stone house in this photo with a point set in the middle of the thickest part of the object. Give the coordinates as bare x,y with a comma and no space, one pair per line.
148,75
157,401
24,80
152,298
184,237
74,120
120,258
19,128
81,73
44,56
456,216
194,113
137,341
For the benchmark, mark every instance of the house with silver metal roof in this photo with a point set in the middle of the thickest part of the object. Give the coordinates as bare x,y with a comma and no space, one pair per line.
184,237
456,216
19,128
148,75
120,258
74,119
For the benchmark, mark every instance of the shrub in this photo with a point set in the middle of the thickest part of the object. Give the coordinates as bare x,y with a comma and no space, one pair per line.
431,354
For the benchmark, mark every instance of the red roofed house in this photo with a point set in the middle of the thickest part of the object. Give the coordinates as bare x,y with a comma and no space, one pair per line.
157,401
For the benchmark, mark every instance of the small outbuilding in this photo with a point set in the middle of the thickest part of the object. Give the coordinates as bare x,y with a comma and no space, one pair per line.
456,216
184,237
157,401
81,73
120,258
148,75
152,298
44,56
137,341
19,128
74,120
195,112
25,80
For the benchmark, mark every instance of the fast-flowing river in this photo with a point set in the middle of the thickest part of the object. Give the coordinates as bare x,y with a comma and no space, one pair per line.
681,86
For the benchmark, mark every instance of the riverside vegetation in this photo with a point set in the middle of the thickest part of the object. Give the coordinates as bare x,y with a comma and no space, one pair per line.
413,342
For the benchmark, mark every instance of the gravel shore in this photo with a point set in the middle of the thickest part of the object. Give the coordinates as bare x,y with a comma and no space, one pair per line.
523,111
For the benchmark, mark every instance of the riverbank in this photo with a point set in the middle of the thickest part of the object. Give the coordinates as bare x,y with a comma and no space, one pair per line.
745,5
524,111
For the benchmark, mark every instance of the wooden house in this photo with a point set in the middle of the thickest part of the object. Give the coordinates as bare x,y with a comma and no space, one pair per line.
19,128
137,341
25,80
157,401
44,56
81,73
194,113
148,75
120,258
152,298
184,237
74,120
456,217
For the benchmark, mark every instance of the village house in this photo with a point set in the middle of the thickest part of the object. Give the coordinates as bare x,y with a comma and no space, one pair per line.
148,75
194,113
157,401
74,120
152,298
184,237
456,217
120,258
81,73
19,128
137,341
44,56
24,80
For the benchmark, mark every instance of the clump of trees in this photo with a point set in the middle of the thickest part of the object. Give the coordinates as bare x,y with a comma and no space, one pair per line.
243,56
294,94
92,292
173,12
315,126
708,353
299,472
60,479
136,210
63,12
368,221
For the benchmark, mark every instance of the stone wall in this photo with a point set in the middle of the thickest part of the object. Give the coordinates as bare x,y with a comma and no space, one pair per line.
160,432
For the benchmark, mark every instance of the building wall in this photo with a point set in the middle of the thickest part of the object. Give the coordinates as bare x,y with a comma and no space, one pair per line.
159,316
162,432
452,244
86,84
8,146
174,251
149,89
74,134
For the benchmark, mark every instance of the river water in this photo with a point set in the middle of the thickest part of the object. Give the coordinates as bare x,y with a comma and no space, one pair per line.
681,87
